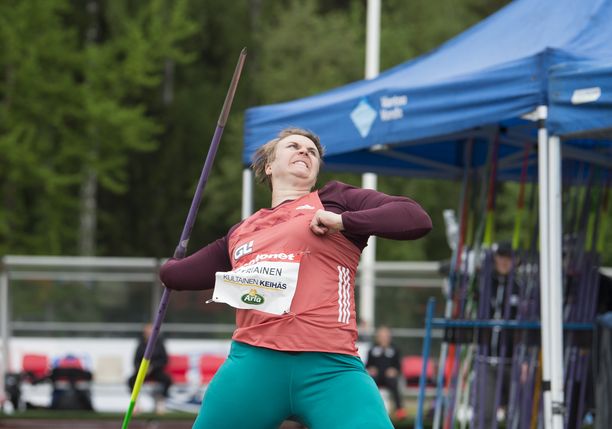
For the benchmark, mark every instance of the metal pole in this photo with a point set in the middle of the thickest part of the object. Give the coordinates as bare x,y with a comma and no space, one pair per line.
369,180
544,262
367,296
556,282
4,328
372,65
431,303
247,193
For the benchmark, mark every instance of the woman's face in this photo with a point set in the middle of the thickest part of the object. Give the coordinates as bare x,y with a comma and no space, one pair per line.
296,161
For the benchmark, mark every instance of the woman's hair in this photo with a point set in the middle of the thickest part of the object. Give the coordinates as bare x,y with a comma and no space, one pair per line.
266,153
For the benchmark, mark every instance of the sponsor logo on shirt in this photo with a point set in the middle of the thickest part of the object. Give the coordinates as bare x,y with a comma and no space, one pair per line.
252,298
243,249
305,207
271,256
281,256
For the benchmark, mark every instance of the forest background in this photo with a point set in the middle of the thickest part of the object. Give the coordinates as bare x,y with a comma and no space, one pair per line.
107,109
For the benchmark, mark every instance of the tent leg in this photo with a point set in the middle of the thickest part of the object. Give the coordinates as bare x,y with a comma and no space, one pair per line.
551,283
544,268
556,282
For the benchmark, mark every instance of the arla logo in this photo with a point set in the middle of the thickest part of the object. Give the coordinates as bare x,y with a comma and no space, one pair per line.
252,298
242,250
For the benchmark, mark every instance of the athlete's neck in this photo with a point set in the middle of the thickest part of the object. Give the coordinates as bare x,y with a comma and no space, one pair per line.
286,194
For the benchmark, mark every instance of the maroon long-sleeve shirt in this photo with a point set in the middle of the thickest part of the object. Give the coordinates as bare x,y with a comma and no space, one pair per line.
364,212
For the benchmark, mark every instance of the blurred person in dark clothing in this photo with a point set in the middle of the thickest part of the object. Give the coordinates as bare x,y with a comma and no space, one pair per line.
155,372
504,297
384,365
71,381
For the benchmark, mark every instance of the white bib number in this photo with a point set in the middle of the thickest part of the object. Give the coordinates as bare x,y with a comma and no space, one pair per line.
267,283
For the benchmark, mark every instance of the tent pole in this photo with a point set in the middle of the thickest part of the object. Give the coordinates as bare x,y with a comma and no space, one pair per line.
544,263
247,193
556,282
369,180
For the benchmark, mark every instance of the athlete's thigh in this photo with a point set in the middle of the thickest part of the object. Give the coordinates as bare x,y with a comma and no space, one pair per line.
340,394
250,390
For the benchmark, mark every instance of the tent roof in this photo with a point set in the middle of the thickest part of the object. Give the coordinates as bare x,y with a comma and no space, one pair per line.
490,74
581,99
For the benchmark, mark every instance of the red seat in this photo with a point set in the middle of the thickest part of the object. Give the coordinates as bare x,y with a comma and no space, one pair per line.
35,364
177,368
69,361
70,370
412,367
209,364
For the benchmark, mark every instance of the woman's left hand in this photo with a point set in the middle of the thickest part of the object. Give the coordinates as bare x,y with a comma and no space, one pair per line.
325,223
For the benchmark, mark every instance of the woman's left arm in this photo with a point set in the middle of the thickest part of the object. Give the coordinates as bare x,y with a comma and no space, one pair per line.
370,212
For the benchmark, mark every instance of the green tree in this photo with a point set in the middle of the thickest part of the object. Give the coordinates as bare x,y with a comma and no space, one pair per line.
39,153
147,219
302,51
72,105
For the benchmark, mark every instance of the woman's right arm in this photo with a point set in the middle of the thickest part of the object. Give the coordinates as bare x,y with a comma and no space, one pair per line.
197,271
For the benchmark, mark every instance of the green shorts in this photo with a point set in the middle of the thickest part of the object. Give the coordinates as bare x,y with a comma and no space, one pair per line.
258,388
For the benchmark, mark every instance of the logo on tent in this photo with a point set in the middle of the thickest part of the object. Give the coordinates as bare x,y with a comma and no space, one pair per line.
363,116
586,95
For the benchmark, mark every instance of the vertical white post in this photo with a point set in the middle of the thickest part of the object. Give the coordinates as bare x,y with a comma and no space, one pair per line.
544,267
372,53
545,286
367,296
4,330
247,193
369,180
556,282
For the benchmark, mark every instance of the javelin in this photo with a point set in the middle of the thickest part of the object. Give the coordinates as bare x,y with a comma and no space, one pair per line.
181,248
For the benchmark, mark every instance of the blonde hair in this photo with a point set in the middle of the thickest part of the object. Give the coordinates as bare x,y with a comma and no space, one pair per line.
266,153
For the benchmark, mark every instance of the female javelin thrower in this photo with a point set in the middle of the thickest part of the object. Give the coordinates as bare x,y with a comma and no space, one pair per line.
290,272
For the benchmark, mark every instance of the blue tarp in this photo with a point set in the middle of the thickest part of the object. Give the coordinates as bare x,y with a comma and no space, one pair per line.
415,118
581,98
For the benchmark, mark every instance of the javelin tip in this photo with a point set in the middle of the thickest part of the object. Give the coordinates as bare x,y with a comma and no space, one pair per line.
232,89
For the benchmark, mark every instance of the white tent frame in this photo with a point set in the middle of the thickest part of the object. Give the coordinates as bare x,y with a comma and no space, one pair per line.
551,278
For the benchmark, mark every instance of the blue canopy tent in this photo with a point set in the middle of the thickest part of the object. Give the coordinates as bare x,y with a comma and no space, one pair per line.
413,119
492,81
